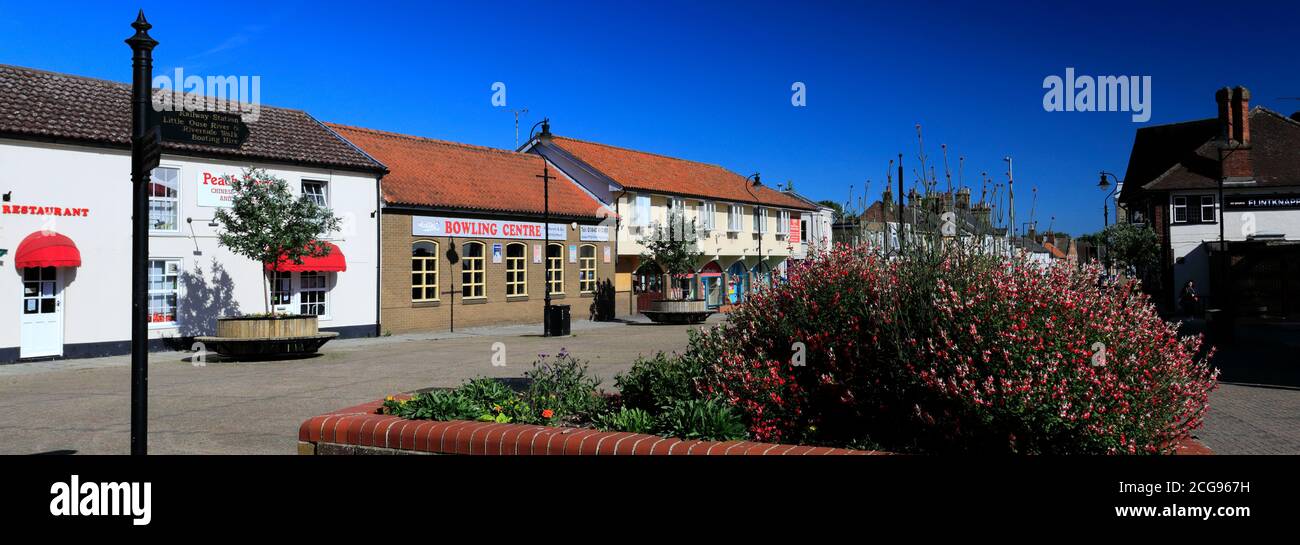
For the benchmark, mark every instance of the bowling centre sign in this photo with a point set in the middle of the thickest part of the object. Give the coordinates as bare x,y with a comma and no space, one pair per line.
437,226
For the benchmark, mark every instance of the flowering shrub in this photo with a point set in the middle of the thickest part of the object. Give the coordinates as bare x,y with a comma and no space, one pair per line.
947,350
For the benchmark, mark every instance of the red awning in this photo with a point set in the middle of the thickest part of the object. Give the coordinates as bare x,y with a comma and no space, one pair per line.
47,249
333,262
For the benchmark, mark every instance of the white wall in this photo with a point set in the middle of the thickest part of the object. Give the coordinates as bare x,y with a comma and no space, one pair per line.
719,241
96,305
1187,239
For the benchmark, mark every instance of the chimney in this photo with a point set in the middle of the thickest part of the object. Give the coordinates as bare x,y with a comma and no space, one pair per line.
963,198
1234,120
1295,116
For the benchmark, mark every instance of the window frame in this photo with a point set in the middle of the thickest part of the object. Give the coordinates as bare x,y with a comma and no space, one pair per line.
735,218
584,270
175,291
782,222
437,273
707,212
521,274
176,201
642,209
1213,206
551,282
324,290
1174,216
324,195
481,269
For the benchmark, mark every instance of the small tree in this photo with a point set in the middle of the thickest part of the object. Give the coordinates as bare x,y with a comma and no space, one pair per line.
268,224
1131,247
673,248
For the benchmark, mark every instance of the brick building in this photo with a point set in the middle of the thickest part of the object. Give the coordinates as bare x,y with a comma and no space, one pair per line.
1223,196
487,204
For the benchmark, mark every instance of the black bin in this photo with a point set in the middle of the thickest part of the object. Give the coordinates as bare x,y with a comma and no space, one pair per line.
557,321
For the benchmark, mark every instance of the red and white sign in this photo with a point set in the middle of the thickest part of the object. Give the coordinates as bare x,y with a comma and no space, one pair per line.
31,210
214,191
795,230
433,226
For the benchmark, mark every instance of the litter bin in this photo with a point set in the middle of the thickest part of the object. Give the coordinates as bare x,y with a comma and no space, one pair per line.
557,321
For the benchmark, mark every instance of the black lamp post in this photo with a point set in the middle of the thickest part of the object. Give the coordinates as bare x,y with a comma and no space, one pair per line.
141,164
750,188
1103,185
545,123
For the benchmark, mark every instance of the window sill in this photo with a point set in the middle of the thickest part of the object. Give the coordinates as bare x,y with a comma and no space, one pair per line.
164,325
516,298
474,301
426,304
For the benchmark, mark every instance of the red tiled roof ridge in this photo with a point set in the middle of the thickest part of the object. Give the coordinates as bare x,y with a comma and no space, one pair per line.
127,86
643,152
425,139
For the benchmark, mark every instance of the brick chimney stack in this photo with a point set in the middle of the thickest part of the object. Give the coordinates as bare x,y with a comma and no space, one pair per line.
1234,120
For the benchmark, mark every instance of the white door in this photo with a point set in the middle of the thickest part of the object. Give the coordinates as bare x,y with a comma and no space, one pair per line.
42,321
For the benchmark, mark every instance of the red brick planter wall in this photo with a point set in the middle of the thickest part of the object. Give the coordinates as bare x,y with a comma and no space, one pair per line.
361,429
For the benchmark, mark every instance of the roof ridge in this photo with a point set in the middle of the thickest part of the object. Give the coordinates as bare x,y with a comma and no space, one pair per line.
127,86
650,153
425,139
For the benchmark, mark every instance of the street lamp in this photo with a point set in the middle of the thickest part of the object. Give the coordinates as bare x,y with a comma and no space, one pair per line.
547,326
750,188
1103,185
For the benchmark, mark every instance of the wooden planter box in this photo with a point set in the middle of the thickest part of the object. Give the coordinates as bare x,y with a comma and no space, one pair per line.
267,327
682,311
266,336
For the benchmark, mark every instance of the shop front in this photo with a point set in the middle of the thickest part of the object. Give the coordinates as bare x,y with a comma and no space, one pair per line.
65,225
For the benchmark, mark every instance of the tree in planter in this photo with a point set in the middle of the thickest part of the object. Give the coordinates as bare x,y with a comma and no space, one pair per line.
268,224
672,246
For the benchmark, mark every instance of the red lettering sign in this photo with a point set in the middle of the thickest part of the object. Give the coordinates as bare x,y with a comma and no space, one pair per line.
27,210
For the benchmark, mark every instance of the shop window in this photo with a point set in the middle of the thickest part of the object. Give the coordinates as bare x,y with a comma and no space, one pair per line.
516,271
1207,209
316,191
313,294
164,199
471,266
555,268
164,290
424,271
281,288
587,269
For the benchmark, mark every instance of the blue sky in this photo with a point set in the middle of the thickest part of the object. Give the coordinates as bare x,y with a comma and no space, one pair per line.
711,80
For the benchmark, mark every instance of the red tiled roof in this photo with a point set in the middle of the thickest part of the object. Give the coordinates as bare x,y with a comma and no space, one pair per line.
639,170
440,174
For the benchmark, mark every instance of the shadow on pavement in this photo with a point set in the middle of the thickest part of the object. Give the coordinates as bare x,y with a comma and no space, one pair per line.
1263,353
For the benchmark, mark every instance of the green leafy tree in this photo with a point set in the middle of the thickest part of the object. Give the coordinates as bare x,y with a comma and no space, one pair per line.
672,246
1131,247
837,211
269,225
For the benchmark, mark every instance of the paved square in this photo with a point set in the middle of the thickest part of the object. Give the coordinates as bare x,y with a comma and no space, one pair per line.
255,408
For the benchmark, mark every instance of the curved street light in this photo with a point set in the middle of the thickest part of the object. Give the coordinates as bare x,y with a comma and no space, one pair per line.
1103,185
749,187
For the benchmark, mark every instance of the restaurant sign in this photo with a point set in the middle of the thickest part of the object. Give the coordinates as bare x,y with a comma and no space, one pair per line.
1261,202
203,128
434,226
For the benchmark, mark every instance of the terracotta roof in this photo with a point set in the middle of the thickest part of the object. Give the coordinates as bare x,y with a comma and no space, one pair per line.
1184,155
432,173
639,170
47,106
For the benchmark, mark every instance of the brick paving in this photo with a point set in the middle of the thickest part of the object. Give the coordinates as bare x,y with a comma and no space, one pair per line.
83,406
